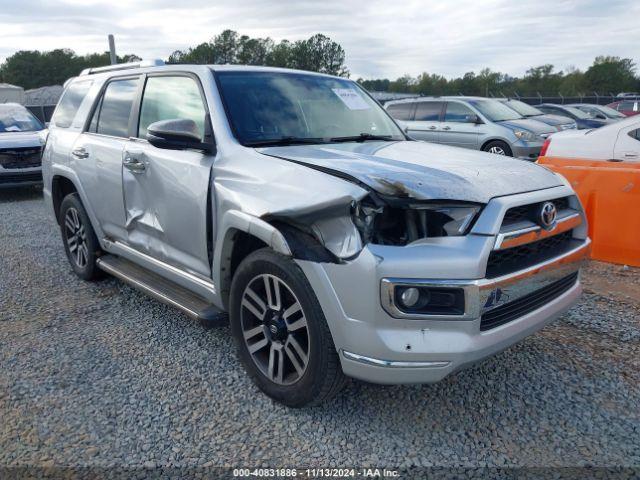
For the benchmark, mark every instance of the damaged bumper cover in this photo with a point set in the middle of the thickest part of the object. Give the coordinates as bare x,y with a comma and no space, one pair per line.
380,343
377,347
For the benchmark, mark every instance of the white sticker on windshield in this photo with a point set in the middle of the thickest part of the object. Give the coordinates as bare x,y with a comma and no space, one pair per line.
351,98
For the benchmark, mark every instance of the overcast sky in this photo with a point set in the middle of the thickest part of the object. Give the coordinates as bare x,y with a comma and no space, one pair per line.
381,38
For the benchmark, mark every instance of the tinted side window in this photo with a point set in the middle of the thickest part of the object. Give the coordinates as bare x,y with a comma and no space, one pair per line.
115,108
625,106
167,98
635,134
428,111
401,111
457,112
69,104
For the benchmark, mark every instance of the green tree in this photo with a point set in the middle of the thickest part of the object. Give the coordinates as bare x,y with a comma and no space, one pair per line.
611,74
33,69
319,54
280,55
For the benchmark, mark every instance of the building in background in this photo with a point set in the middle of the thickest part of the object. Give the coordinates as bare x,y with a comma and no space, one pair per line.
42,101
11,93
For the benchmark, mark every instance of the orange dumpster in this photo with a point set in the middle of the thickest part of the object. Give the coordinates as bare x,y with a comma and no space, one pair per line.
610,194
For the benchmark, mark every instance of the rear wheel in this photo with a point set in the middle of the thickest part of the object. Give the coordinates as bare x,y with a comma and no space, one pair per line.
80,241
498,148
281,334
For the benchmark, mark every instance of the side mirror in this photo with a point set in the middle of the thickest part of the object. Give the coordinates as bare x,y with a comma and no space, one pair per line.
473,119
177,134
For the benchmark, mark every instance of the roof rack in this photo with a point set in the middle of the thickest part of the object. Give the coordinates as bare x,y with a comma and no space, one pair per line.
123,66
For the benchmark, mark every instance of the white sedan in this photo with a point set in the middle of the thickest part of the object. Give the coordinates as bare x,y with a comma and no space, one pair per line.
616,142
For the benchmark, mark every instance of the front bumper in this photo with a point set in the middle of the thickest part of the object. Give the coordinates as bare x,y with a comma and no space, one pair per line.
380,348
526,150
20,177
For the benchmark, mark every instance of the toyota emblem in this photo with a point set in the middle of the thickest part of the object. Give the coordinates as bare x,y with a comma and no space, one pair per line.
548,214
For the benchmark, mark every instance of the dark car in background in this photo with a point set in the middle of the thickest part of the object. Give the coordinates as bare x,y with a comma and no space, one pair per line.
626,107
22,136
601,112
559,122
582,119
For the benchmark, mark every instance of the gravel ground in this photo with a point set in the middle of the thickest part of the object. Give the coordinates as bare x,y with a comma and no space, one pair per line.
101,375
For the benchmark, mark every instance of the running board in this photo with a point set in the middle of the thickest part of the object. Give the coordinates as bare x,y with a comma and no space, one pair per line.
162,289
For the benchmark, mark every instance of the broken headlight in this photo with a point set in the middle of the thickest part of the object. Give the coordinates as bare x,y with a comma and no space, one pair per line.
400,225
453,220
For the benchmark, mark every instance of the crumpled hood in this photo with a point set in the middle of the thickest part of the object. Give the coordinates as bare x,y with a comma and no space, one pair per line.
422,171
21,139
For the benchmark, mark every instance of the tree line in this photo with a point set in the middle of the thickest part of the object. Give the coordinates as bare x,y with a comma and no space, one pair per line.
606,75
33,68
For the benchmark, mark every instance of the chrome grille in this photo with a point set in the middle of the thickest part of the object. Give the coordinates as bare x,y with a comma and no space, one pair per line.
526,304
25,157
530,212
503,262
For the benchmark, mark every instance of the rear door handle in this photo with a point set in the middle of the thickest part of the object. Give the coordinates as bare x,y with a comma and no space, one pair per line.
630,155
134,165
80,152
432,127
446,128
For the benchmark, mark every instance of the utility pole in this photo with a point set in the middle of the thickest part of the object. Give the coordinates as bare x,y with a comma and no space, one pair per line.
112,50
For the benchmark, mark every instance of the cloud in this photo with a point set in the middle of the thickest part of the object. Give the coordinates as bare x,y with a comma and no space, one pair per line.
381,38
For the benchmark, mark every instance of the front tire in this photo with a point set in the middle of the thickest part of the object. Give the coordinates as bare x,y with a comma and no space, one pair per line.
80,241
281,334
498,148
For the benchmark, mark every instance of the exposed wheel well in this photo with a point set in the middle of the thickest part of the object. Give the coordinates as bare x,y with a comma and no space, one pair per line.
60,188
242,244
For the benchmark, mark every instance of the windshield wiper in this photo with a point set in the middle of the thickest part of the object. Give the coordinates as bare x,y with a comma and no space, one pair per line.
283,141
361,138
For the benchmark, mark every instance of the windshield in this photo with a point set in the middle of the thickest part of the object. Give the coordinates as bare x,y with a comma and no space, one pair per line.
278,107
495,110
15,118
610,112
577,112
523,108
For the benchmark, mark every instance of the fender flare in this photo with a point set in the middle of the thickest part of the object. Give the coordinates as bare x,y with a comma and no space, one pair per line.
66,172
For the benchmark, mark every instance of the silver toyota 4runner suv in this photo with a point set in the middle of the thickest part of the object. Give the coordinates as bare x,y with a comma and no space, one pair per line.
291,200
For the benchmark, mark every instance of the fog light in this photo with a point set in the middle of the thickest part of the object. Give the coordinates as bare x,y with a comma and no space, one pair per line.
409,297
426,300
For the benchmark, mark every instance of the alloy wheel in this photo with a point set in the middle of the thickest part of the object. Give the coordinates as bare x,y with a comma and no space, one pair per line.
274,328
497,150
76,238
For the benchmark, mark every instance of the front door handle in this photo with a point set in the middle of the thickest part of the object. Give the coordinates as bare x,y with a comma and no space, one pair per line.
80,152
630,155
134,165
432,127
446,128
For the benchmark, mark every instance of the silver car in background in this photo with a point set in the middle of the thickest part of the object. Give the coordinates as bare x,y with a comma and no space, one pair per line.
558,121
21,139
471,122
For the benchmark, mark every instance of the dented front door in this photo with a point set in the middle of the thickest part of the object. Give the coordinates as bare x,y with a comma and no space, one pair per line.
166,192
165,197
